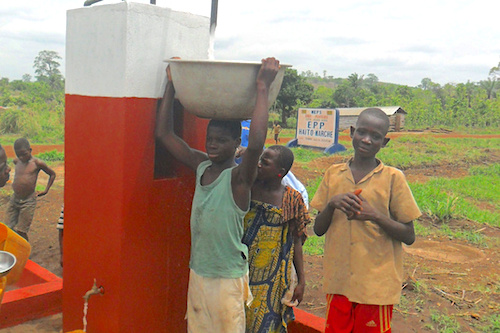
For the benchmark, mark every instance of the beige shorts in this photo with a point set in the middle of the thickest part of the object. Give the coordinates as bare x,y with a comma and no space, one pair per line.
21,212
217,304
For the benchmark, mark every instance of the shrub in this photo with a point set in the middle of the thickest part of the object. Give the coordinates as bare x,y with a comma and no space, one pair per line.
51,156
10,120
291,123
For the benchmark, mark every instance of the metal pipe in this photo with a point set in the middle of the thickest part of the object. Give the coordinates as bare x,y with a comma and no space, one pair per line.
90,2
213,16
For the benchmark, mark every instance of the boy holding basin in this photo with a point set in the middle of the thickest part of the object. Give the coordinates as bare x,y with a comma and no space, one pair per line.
218,280
366,210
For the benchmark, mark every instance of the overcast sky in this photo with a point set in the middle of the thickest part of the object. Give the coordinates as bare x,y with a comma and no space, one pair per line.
399,41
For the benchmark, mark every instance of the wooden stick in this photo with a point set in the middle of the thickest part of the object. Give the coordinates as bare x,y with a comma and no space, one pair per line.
413,274
446,272
450,297
406,312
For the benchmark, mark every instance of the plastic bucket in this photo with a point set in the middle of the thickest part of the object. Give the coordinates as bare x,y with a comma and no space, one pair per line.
11,242
3,284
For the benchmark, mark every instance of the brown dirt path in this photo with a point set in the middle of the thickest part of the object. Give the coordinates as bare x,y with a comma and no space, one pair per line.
36,149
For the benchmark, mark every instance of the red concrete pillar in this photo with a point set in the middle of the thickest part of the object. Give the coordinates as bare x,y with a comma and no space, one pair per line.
123,227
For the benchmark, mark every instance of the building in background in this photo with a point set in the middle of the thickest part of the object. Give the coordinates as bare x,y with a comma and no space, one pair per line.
349,116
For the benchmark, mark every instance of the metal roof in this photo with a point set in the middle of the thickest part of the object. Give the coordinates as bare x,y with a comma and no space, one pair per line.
389,110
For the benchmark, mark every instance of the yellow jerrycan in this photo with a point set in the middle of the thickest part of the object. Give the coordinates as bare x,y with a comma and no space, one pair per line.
11,242
3,284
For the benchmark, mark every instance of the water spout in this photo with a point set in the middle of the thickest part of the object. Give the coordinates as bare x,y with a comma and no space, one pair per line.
93,291
213,25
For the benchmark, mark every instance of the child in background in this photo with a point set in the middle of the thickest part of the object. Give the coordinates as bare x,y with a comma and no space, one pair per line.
4,167
23,201
363,266
275,229
276,130
218,279
60,227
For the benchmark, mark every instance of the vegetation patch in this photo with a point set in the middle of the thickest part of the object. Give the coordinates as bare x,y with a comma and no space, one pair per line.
52,156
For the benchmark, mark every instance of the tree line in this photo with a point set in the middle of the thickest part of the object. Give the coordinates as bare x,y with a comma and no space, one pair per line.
471,104
35,108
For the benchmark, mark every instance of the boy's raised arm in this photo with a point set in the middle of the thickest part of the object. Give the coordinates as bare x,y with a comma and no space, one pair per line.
52,175
247,170
165,131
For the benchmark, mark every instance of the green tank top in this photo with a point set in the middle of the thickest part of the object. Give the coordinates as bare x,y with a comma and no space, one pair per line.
217,250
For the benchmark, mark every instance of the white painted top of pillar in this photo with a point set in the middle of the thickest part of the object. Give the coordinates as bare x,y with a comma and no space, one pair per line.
119,50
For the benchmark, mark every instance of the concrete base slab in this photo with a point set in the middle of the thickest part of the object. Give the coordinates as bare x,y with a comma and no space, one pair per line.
37,294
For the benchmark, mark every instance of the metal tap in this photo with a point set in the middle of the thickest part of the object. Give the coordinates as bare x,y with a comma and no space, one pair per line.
95,290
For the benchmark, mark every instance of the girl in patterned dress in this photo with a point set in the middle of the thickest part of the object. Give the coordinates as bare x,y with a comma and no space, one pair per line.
275,230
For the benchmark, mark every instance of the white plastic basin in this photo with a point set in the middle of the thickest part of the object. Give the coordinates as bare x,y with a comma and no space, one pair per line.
220,89
7,261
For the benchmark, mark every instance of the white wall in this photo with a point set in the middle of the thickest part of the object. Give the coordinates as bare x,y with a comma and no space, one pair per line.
119,50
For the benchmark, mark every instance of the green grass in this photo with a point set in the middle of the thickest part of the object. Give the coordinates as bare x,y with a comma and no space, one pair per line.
445,230
8,139
445,198
312,186
52,156
444,324
314,245
306,155
475,130
287,133
413,151
422,230
489,324
468,235
417,151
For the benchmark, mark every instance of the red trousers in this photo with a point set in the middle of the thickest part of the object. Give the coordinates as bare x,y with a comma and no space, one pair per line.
344,316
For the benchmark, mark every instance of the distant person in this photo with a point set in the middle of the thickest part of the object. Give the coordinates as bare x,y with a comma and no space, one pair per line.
218,280
4,167
276,130
275,229
363,266
22,204
289,178
60,228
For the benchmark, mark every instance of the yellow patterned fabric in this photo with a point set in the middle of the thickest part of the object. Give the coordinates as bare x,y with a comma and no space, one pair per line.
269,233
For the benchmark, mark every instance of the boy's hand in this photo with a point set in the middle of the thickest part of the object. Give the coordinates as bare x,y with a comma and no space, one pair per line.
298,293
367,213
240,151
169,75
349,203
268,71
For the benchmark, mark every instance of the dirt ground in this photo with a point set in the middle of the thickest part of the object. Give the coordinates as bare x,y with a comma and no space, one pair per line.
456,277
